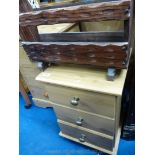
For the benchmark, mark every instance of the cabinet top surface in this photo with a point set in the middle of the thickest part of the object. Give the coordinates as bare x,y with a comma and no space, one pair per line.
84,78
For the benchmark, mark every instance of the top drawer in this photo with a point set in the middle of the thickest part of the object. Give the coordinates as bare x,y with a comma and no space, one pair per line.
97,103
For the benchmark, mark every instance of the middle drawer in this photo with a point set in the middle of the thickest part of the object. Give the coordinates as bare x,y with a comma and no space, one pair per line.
86,120
97,103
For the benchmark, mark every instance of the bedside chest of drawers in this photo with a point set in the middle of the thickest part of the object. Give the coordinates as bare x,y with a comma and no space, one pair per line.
86,104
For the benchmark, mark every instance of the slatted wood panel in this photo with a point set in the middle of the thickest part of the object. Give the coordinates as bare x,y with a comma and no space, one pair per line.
107,10
118,10
97,54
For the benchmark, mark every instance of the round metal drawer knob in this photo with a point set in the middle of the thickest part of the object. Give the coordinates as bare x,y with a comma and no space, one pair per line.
75,101
79,121
82,138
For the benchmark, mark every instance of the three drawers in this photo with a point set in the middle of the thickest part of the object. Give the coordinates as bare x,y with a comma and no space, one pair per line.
86,104
92,102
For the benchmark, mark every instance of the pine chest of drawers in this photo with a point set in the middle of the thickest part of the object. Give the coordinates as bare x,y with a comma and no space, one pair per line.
86,104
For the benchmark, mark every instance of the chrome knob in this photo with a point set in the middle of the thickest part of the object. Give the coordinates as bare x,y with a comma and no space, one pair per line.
79,121
75,101
82,138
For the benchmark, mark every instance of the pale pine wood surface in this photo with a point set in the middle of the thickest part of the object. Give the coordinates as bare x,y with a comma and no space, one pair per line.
92,138
84,78
114,152
99,124
58,28
88,101
106,26
41,103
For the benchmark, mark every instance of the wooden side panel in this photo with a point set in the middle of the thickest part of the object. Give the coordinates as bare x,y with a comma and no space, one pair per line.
89,12
29,33
117,114
96,54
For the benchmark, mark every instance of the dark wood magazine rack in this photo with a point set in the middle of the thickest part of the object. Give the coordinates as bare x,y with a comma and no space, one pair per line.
104,49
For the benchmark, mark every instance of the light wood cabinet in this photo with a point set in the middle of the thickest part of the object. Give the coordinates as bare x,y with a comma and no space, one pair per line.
86,104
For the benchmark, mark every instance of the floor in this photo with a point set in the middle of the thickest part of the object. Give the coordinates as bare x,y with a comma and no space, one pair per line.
38,135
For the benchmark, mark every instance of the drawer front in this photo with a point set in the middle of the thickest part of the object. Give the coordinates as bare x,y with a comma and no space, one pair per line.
42,103
86,120
88,101
39,93
84,136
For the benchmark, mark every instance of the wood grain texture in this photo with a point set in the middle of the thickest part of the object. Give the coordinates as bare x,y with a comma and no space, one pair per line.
29,33
42,103
67,3
99,124
96,54
106,26
24,93
116,10
95,103
86,143
117,115
24,6
90,136
58,28
84,78
38,92
115,149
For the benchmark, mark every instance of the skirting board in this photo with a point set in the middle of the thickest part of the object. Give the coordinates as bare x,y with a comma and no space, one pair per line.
114,152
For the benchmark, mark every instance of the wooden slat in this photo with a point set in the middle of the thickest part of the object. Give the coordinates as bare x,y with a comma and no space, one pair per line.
66,3
112,10
82,37
24,6
29,33
86,53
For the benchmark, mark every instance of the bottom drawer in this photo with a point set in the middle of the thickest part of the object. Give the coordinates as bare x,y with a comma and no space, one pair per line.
85,136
